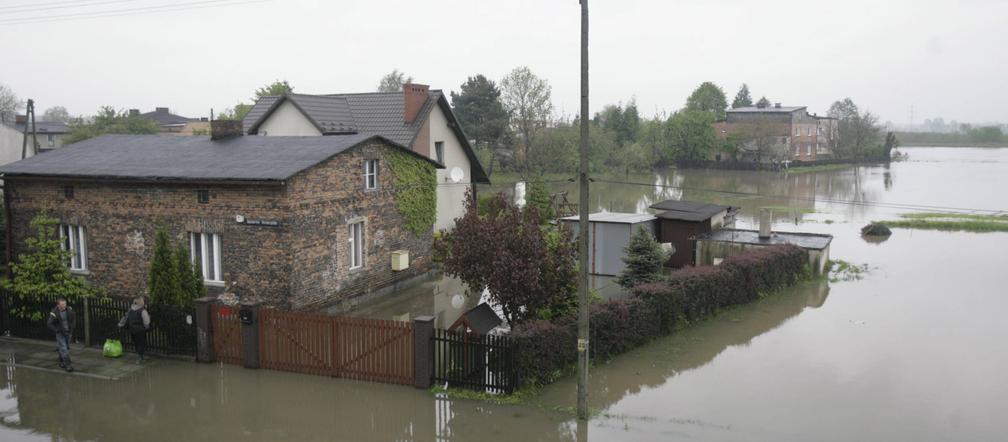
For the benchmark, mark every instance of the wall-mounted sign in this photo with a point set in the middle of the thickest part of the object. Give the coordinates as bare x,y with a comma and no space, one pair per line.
261,222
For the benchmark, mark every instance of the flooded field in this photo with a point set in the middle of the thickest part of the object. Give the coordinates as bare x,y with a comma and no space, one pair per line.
911,349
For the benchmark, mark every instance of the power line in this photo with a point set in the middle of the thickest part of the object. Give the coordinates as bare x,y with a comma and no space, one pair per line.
127,11
23,8
920,207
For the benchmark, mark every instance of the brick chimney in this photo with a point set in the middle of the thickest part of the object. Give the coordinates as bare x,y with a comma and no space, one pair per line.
220,129
161,110
134,112
414,97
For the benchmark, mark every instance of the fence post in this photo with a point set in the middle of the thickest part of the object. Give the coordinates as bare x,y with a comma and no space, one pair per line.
423,334
87,323
204,333
248,314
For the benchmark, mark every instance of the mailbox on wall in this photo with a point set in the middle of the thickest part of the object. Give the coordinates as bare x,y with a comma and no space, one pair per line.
246,316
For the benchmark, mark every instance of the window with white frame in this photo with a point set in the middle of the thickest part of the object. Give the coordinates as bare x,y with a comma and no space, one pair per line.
51,140
74,239
808,149
356,238
808,131
204,249
370,174
797,149
797,131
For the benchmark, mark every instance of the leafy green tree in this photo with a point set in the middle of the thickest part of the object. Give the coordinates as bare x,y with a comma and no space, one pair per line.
763,102
742,98
164,284
537,195
859,132
56,114
190,277
394,81
238,112
644,259
986,134
44,270
708,97
622,122
527,99
691,136
483,118
110,121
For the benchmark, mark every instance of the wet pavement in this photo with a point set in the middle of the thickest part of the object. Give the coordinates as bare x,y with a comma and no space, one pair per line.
41,355
914,350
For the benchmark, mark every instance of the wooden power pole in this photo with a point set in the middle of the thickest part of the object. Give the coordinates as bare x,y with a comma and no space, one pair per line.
582,343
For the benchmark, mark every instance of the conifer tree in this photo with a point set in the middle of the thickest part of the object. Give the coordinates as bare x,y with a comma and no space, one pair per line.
190,276
164,284
644,260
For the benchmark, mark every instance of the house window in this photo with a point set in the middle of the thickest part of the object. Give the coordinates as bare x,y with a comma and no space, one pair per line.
808,149
439,151
797,149
370,174
797,131
356,244
203,196
51,140
68,192
74,239
204,249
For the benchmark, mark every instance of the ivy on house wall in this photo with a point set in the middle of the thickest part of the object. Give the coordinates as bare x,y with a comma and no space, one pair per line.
414,182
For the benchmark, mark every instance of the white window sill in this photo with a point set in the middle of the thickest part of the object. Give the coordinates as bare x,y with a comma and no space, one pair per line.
80,272
356,269
214,283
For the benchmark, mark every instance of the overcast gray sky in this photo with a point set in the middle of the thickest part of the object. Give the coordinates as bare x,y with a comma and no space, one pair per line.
946,58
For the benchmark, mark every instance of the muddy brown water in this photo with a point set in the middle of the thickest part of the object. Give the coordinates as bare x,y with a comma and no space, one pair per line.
912,351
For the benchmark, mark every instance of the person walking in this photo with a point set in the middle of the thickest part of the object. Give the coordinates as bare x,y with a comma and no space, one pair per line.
61,321
137,321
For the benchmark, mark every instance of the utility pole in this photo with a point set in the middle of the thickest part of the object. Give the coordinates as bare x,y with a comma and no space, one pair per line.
29,114
582,343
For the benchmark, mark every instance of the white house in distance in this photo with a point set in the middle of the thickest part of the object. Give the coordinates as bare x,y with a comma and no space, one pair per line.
417,117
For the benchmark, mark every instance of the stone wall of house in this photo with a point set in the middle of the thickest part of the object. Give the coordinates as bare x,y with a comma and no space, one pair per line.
327,199
121,220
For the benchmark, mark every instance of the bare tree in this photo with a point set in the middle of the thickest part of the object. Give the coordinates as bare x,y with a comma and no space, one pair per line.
527,100
56,114
763,137
394,81
10,104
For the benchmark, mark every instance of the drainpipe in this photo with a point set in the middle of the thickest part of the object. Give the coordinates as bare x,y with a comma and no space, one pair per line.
8,236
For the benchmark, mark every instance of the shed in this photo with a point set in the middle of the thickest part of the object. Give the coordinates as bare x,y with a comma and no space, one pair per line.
681,222
713,247
480,319
608,234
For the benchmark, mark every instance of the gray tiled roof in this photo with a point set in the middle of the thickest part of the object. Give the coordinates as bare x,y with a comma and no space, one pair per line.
167,157
46,127
162,117
373,113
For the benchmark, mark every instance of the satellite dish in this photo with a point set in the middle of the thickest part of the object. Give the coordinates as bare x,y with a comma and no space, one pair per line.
456,174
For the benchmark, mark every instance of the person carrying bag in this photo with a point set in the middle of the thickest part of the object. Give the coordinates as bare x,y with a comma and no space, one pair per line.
137,321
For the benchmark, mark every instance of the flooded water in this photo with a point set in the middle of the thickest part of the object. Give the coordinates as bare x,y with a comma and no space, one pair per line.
912,351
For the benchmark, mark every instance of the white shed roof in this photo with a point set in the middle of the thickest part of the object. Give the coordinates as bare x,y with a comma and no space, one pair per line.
614,217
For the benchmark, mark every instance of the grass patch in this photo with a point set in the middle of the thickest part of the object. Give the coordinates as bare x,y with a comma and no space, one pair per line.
840,270
963,222
820,168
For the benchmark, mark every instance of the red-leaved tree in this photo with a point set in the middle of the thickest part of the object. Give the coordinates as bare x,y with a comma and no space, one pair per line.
528,269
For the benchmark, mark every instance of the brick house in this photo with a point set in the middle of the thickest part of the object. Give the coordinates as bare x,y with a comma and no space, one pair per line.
773,132
417,117
292,221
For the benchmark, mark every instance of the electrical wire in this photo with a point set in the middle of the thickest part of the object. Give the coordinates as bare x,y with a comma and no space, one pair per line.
24,8
126,11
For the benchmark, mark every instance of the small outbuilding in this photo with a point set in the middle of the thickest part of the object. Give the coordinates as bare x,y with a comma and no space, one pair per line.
715,246
681,222
608,234
480,320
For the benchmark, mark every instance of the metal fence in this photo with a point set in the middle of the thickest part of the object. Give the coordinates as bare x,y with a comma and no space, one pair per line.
172,331
474,362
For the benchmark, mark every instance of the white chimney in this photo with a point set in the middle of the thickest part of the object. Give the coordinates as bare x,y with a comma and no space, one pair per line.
765,217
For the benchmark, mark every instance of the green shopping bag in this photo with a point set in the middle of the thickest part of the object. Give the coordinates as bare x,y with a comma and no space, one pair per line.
112,348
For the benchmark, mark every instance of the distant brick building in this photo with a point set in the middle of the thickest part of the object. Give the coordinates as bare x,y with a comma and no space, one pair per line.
774,133
293,221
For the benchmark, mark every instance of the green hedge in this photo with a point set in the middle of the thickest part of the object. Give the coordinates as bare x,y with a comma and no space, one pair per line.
656,309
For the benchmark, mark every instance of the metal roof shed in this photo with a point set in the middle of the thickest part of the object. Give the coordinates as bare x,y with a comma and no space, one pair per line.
608,234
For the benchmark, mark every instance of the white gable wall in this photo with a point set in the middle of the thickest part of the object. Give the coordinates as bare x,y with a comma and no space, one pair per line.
287,120
450,196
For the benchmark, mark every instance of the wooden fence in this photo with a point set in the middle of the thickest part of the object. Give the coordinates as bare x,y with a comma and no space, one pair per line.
475,362
355,348
227,340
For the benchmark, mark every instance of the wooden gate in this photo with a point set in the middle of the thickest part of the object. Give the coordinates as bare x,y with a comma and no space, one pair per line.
227,341
356,348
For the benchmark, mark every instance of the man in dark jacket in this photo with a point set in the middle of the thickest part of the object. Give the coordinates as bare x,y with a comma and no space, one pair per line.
62,321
